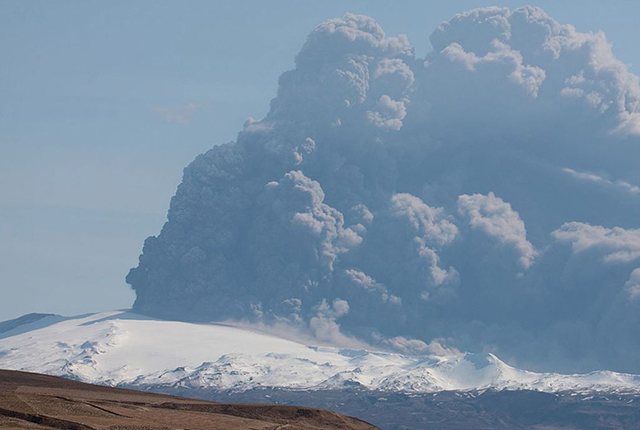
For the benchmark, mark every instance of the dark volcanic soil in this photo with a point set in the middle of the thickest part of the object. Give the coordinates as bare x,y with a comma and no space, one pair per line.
33,401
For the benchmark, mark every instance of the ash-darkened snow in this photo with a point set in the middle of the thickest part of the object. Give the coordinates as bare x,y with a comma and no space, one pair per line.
484,198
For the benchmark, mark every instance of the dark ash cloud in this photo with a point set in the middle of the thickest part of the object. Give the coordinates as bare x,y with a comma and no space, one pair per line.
483,198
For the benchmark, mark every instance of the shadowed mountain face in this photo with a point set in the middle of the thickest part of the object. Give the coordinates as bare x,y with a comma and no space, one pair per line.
33,401
455,410
9,325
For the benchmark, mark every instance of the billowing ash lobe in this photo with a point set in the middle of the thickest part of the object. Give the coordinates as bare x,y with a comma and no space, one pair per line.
485,197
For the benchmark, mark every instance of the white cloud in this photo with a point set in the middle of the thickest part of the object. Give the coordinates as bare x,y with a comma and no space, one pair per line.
633,284
371,286
553,62
430,223
530,78
432,229
496,218
181,114
324,326
592,177
389,115
414,346
617,245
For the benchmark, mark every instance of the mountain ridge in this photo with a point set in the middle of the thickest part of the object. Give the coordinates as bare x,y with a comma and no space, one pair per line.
119,348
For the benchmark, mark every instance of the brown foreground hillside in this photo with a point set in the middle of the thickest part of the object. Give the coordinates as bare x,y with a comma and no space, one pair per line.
34,401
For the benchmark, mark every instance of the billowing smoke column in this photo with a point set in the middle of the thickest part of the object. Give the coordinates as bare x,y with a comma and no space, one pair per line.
484,198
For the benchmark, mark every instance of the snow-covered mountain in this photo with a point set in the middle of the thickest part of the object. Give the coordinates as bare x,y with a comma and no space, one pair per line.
122,348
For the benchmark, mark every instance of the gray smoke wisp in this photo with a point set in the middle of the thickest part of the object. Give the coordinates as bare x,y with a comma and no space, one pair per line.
483,198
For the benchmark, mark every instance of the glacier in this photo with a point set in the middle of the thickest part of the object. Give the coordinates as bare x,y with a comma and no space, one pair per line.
121,348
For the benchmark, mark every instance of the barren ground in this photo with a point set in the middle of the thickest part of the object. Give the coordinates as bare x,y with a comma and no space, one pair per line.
34,401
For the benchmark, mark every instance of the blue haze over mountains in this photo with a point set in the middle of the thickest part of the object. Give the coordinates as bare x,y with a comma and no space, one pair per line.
484,198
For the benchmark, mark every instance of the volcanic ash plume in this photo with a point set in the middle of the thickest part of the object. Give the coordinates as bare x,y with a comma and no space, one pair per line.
485,197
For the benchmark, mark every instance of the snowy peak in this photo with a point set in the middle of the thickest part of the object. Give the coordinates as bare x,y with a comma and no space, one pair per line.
121,348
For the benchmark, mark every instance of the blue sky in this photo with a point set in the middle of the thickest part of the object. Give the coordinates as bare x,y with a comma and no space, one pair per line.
102,104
